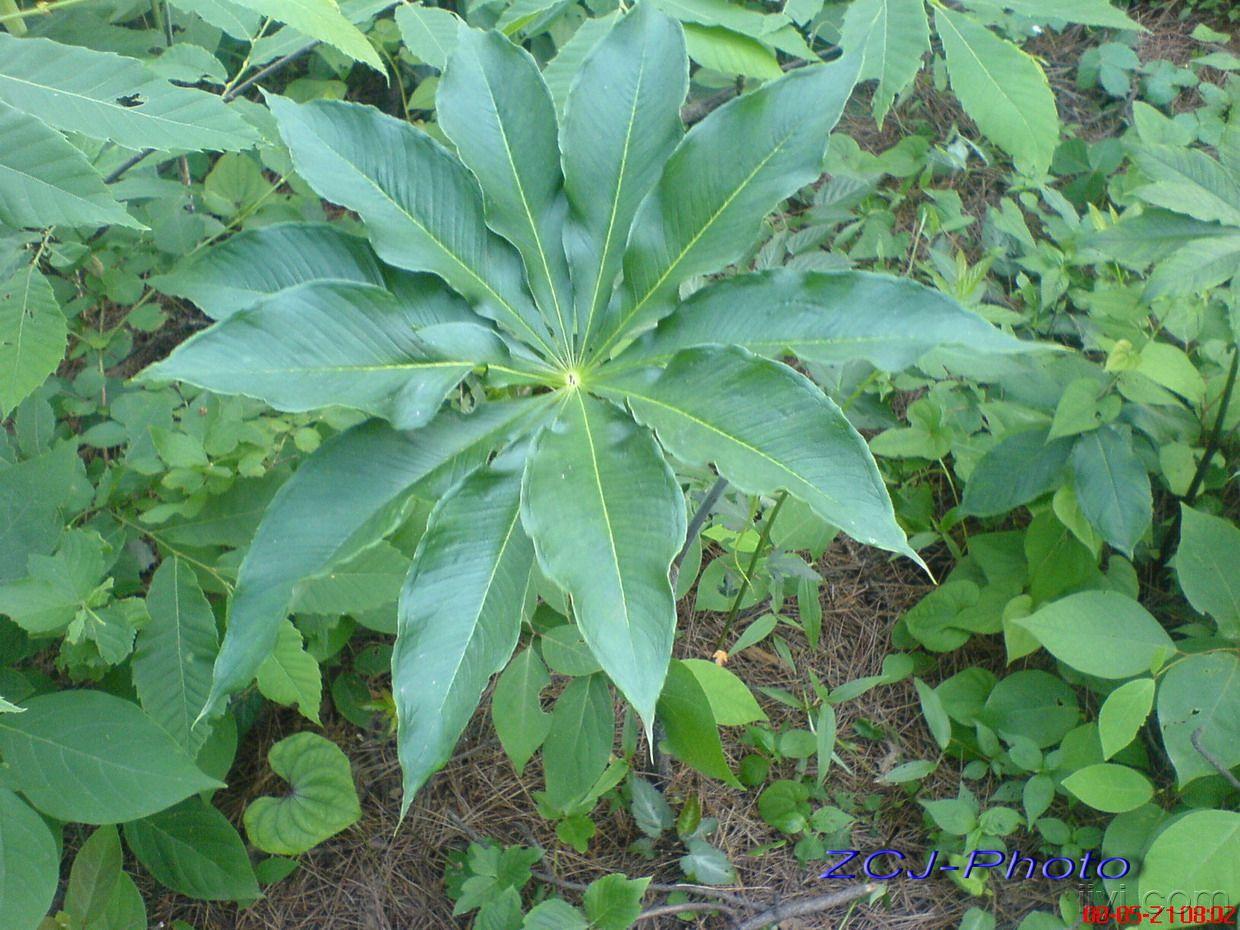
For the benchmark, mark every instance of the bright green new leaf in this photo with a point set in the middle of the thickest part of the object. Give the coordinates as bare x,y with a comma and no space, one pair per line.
729,52
460,614
108,96
731,701
1200,696
322,802
1207,564
32,335
322,20
1111,788
89,757
1123,714
1002,88
1101,633
607,517
692,731
614,901
174,651
45,181
194,850
29,864
289,675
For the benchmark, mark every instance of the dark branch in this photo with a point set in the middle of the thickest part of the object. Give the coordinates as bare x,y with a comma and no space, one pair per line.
799,907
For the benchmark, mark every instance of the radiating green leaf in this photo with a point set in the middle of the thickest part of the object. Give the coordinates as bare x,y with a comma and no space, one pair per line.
329,343
351,481
1201,693
289,675
516,709
561,71
32,335
460,614
29,864
621,123
195,851
1123,714
89,757
893,36
607,517
706,210
1207,564
814,315
767,428
45,181
322,20
429,32
1101,633
492,103
1111,788
423,210
1112,486
174,651
107,96
1002,88
322,800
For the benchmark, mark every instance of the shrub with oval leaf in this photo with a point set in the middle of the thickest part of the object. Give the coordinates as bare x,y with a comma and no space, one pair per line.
542,265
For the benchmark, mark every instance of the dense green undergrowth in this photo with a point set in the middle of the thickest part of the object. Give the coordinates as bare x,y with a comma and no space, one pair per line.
1033,320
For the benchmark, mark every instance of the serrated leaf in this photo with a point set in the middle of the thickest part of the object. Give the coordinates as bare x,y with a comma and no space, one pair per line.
460,614
893,36
322,802
607,517
1002,88
89,757
32,335
108,96
429,32
289,675
45,181
322,20
194,850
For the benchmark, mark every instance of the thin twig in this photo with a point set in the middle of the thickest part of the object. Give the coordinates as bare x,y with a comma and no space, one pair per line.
687,907
763,539
799,907
695,524
1214,760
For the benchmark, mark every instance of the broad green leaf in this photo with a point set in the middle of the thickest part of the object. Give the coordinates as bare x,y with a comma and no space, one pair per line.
107,96
289,675
195,851
322,800
1087,12
1153,235
351,481
516,709
705,210
650,810
729,52
45,181
89,757
554,914
369,580
614,901
322,20
692,731
32,335
429,32
936,715
29,864
814,316
1197,267
1112,486
1034,704
422,208
766,428
55,591
492,103
1123,714
1002,88
330,343
126,910
1188,181
583,729
288,40
174,651
94,876
1021,468
893,36
1198,852
561,71
621,123
460,614
238,21
731,702
1201,692
1101,633
607,517
256,263
1109,787
34,495
1207,564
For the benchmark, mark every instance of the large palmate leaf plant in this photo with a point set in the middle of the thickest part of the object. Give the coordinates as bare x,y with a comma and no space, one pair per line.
543,262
